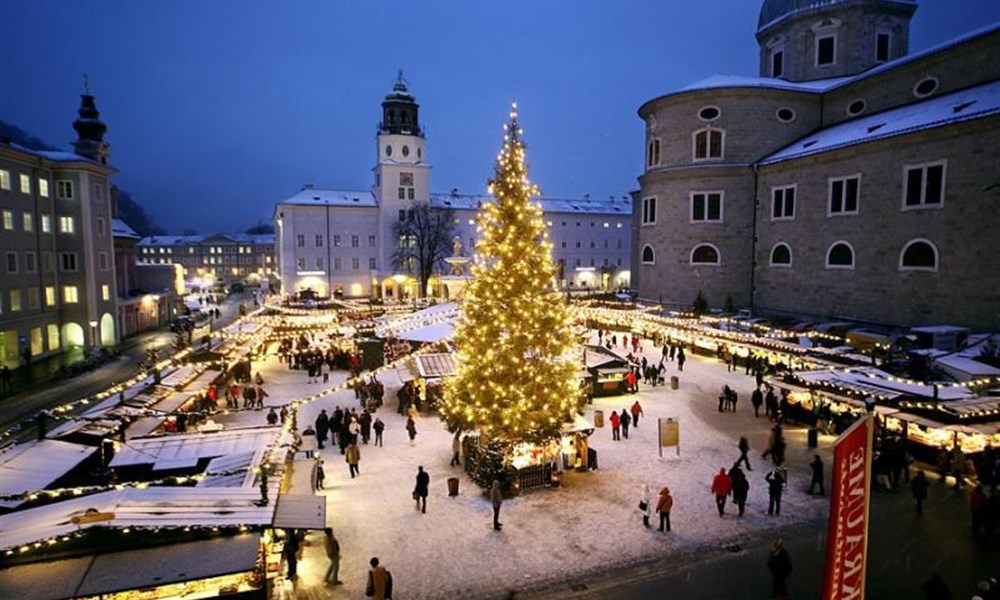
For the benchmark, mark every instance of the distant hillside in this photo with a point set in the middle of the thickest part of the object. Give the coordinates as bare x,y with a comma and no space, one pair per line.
129,210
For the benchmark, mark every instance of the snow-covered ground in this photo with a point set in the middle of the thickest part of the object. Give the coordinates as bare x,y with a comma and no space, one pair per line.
589,526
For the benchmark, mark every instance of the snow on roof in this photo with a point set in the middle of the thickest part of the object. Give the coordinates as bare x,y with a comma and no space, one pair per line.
53,155
121,229
973,103
421,319
430,334
967,367
313,196
873,381
215,238
185,450
133,507
35,465
939,329
610,206
435,365
723,81
221,471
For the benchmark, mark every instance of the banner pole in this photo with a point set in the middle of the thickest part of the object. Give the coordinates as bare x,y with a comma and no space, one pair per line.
870,437
659,435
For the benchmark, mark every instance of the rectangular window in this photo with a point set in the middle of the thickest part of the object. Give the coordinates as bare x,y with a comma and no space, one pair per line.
783,202
336,264
33,299
826,50
402,215
706,206
70,294
100,226
105,292
319,241
28,220
777,63
102,260
8,219
43,187
66,225
50,296
372,262
4,179
844,195
371,241
319,263
15,300
30,262
46,224
336,241
924,185
300,263
653,155
46,262
25,184
98,192
64,189
300,241
578,243
354,241
355,263
708,144
402,193
53,335
882,42
12,262
67,261
409,193
648,211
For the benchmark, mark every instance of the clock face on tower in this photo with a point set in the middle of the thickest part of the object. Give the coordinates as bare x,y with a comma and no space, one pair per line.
406,179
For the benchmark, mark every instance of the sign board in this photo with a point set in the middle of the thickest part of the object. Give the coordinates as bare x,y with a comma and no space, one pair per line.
670,434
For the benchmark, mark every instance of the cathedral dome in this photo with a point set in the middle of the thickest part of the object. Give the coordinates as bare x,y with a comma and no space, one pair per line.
774,10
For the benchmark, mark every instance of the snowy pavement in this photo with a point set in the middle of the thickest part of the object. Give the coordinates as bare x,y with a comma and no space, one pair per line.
587,527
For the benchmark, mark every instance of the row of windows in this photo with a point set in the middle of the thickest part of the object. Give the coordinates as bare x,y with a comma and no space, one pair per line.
300,241
923,187
64,187
67,224
319,263
916,255
593,262
67,262
825,51
706,144
31,298
211,250
593,243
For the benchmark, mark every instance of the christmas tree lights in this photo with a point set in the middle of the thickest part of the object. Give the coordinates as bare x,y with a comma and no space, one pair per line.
516,374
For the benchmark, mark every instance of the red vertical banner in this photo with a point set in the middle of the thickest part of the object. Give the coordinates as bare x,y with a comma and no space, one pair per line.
847,535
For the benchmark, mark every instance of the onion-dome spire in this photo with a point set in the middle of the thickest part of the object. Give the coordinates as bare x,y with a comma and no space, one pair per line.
89,128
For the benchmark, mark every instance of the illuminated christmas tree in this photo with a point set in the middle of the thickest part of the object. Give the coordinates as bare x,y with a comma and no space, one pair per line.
516,373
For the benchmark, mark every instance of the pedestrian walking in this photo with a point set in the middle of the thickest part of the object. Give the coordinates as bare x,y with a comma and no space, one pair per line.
290,551
918,486
320,474
780,566
421,489
744,447
775,487
721,486
663,506
644,506
322,428
625,420
272,417
379,586
615,426
353,457
636,411
680,358
741,488
411,429
379,427
817,475
332,547
365,420
456,450
496,500
756,399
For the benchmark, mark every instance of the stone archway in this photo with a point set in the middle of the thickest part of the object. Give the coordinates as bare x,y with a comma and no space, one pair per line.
107,330
72,336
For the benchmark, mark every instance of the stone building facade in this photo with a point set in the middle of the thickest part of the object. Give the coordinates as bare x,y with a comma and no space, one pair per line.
865,188
205,260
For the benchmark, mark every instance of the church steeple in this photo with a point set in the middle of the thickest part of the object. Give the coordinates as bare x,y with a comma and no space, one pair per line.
400,111
90,129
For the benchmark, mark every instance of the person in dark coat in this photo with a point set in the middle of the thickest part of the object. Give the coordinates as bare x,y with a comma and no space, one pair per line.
919,486
365,420
322,428
290,550
780,566
680,358
379,427
496,499
741,488
421,489
272,417
817,475
625,420
411,429
775,487
756,399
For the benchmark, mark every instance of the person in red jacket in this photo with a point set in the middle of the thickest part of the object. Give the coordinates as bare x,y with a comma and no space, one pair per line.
615,426
721,485
664,506
636,410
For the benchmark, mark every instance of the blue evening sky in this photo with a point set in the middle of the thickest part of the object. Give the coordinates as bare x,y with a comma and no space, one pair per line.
217,109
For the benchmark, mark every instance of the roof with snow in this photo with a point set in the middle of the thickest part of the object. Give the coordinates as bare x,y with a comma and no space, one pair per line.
973,103
611,206
222,238
726,81
53,155
184,451
121,229
36,465
318,197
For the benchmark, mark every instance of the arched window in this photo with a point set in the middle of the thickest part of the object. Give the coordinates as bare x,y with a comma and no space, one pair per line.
918,255
781,255
840,256
705,254
647,255
709,143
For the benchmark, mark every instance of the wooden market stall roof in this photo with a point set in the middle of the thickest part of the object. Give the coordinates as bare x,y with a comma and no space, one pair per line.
179,451
435,366
36,465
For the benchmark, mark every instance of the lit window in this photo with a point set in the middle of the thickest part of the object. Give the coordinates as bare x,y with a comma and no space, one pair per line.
648,211
708,144
844,195
50,296
840,256
783,202
70,294
336,240
64,190
66,225
25,184
706,207
918,255
29,224
43,188
8,219
781,255
105,292
923,185
46,224
4,179
15,300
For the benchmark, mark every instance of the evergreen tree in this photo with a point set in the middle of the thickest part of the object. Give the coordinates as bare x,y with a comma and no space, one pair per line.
515,379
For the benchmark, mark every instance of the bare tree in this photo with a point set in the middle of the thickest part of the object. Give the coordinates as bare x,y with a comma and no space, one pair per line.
424,240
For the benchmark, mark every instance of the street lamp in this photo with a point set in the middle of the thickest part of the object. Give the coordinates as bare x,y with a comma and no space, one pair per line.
93,333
